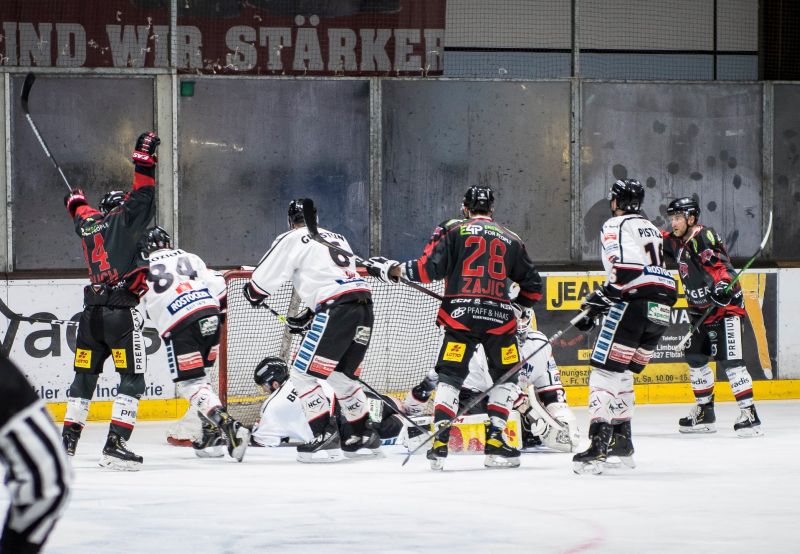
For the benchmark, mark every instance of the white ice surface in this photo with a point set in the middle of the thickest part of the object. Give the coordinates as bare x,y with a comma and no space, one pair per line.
711,493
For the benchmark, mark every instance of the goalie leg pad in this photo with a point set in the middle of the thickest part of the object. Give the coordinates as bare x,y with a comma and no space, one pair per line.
611,396
741,383
199,393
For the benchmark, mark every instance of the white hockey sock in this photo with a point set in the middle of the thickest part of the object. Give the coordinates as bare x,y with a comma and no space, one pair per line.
702,379
446,402
77,411
501,399
611,396
315,404
741,385
199,393
123,412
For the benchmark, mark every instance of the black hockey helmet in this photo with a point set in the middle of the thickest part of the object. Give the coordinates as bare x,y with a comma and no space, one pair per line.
295,214
479,199
271,369
686,206
628,193
156,239
112,199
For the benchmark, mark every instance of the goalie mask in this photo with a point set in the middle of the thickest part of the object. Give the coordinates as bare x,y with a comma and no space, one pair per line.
295,214
113,199
157,238
629,195
271,369
479,199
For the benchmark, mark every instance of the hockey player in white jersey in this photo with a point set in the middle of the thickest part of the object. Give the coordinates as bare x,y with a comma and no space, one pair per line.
183,301
636,300
282,420
339,322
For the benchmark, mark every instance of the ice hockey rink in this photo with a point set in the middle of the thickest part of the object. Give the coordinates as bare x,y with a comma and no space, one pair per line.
712,493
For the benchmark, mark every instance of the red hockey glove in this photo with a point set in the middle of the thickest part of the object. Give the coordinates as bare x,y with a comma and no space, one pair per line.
74,199
144,153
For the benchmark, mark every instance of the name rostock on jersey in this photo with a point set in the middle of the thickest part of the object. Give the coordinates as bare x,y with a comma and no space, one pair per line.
180,285
319,274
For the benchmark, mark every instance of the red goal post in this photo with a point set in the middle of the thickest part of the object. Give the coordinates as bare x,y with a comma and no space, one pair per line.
404,345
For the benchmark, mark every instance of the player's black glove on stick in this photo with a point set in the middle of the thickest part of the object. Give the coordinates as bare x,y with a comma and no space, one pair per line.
300,323
720,296
252,296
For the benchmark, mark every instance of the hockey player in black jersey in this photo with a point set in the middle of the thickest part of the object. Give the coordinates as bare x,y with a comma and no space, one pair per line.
38,472
110,326
476,256
635,300
706,271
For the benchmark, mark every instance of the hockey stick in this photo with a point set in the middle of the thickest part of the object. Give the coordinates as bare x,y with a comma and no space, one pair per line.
26,91
733,282
311,225
14,316
503,378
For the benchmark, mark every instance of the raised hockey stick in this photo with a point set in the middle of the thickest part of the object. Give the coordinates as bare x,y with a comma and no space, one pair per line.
14,316
311,225
26,91
503,378
733,282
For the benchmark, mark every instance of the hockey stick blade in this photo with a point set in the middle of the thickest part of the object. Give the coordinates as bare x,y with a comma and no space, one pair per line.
503,378
26,92
14,316
736,277
311,225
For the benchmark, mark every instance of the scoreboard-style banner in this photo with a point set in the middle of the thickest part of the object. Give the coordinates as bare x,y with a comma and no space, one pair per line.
565,291
314,37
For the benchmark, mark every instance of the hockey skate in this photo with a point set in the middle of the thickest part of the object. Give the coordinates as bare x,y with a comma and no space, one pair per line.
748,424
325,448
498,453
211,443
700,420
117,456
437,454
363,446
236,435
620,451
592,460
70,436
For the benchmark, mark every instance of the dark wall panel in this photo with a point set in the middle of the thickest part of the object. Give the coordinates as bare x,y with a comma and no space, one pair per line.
442,137
248,147
786,172
90,126
678,140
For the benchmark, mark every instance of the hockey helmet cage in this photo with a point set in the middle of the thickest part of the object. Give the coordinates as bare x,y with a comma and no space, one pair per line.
479,199
295,214
157,238
271,369
629,194
112,199
686,206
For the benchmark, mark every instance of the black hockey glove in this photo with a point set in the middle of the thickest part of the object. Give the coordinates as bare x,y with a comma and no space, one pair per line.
379,268
598,303
720,296
586,323
252,296
300,323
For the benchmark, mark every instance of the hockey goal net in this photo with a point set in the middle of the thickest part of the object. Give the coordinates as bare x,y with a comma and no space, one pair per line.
404,345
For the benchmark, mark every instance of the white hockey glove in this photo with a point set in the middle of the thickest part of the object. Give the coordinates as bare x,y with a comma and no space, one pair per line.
379,268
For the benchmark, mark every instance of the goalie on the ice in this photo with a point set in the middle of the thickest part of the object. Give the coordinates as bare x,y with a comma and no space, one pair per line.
282,420
547,420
